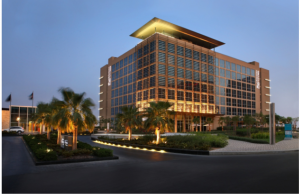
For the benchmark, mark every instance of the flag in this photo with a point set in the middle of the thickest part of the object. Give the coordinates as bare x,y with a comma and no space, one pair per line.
31,96
8,99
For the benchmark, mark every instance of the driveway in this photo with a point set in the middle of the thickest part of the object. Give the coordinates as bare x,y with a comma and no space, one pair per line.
142,171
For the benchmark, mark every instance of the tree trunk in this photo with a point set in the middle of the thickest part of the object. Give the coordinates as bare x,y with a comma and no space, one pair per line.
129,133
74,147
157,131
41,128
58,136
48,133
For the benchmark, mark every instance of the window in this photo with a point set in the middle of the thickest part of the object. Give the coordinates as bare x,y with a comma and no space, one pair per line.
233,85
252,72
130,78
117,66
239,112
125,71
203,67
161,81
244,111
210,69
203,77
233,102
196,66
248,71
222,82
196,97
239,85
140,63
171,48
113,85
120,101
140,85
145,84
238,68
228,83
228,74
152,69
252,80
161,69
121,72
161,57
139,98
146,60
196,55
248,79
112,111
244,103
180,73
112,93
239,94
253,104
188,53
203,88
253,96
161,45
145,96
152,57
203,57
116,101
161,93
244,95
129,89
228,92
243,70
233,111
188,96
188,63
125,61
217,100
188,74
217,71
217,81
196,76
210,59
180,50
222,91
171,94
129,99
125,89
228,111
152,81
210,79
180,84
227,65
134,67
203,98
134,98
239,103
116,93
140,74
180,95
217,90
228,101
125,99
249,87
248,104
152,46
238,77
113,67
180,62
234,93
146,49
222,63
171,82
233,75
171,59
134,77
232,66
188,85
152,93
210,89
244,78
223,110
196,87
211,99
121,82
243,86
222,100
146,70
222,72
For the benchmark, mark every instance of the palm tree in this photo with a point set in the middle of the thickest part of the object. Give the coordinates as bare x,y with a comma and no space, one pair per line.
289,119
261,119
249,121
128,118
282,120
221,122
75,113
235,120
158,116
196,120
209,121
227,120
42,115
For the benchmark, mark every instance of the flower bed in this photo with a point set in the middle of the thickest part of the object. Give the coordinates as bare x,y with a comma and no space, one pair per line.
47,150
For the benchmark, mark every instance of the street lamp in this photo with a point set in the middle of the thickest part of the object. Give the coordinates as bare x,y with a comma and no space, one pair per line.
18,118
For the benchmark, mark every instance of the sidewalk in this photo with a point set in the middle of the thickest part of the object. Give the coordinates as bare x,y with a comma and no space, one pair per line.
241,147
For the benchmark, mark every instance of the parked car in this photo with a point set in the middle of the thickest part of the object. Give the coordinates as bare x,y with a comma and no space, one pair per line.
17,129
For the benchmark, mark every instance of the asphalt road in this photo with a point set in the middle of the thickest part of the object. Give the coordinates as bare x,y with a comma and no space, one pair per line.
149,172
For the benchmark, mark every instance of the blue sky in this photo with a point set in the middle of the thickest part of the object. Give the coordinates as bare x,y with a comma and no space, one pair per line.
48,44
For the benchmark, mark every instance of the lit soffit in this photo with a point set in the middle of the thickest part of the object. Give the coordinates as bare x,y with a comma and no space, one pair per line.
167,28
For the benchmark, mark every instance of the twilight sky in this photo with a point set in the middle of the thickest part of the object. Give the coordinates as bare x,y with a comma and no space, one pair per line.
48,44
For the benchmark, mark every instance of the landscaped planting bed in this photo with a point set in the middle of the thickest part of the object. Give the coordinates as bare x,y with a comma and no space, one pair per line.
47,150
188,142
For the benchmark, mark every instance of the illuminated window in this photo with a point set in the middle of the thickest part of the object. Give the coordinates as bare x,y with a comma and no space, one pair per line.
188,85
180,95
203,88
210,89
196,87
180,84
152,81
203,98
145,96
139,98
152,93
196,97
171,82
161,93
188,96
161,81
171,94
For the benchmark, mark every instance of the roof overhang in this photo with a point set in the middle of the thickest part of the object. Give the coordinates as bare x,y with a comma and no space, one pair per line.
167,28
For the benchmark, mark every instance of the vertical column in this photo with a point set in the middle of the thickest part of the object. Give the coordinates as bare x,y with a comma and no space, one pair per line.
200,123
184,130
272,124
175,124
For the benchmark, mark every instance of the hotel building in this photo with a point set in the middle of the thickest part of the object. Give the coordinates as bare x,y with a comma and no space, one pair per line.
175,64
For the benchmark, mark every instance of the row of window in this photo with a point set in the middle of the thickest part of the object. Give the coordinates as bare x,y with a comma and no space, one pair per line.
123,62
123,81
146,49
234,67
234,102
123,100
235,111
124,90
123,72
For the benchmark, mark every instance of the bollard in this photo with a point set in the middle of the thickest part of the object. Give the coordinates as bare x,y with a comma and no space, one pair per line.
272,125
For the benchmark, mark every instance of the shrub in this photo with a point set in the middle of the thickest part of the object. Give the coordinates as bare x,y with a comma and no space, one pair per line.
148,138
241,132
83,145
219,128
50,156
260,135
67,154
80,152
40,153
103,152
249,139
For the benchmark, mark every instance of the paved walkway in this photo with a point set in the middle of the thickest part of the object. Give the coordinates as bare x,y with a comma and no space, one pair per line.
241,147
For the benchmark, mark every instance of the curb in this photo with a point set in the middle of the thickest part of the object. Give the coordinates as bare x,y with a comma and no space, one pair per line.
37,163
173,150
251,153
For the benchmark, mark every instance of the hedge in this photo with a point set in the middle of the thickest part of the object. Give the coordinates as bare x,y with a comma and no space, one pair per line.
249,140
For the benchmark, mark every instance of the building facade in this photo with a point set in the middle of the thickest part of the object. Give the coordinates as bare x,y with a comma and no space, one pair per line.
175,64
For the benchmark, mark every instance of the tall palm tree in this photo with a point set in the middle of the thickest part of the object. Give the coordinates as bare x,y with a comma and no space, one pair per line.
249,121
158,116
196,120
42,114
221,122
261,119
75,112
227,120
209,121
235,120
128,118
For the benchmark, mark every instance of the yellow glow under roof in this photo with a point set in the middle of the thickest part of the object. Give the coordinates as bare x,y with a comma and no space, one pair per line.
167,28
